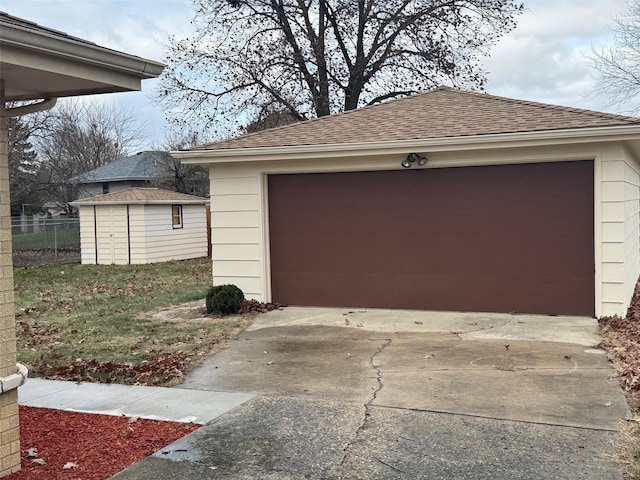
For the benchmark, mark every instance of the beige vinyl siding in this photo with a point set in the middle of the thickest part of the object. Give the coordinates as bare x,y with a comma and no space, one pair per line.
87,235
137,239
620,219
163,242
237,235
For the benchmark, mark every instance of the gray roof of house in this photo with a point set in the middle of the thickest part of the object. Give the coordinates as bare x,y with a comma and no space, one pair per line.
141,166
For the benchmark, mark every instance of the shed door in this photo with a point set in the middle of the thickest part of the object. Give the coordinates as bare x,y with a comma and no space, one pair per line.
508,238
112,235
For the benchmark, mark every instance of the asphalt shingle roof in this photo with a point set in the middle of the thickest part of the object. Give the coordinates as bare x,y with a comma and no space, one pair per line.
7,19
143,195
439,113
142,166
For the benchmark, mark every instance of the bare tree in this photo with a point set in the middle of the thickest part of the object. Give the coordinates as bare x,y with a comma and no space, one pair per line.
23,162
618,64
81,137
270,119
311,58
179,177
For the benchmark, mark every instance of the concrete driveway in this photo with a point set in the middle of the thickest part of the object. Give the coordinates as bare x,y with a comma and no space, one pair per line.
386,394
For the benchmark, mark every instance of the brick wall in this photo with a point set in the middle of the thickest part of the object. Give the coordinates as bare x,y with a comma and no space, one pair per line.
9,426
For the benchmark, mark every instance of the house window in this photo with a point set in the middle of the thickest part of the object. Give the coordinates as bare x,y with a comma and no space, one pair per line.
105,187
176,216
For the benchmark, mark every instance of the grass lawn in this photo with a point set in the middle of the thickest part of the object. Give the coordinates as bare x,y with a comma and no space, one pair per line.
47,239
86,322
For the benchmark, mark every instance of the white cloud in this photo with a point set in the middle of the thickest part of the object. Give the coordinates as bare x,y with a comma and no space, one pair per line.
546,57
139,27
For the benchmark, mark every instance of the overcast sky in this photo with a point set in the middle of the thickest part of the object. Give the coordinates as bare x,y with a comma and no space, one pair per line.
543,59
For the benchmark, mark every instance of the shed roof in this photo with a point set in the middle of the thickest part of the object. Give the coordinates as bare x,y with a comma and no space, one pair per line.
145,196
141,166
440,113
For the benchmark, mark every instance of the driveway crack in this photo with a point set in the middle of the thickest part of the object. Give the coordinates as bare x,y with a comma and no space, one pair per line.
367,406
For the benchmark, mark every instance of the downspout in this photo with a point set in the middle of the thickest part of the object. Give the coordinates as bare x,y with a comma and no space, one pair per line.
45,104
13,381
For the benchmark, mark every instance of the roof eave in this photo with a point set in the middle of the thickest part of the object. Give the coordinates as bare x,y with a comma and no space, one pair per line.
97,69
87,52
79,203
443,144
113,179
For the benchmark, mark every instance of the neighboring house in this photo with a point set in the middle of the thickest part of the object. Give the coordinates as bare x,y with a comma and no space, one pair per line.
41,64
507,206
142,225
139,170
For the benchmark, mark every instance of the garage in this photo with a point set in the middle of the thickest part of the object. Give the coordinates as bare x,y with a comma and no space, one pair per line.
442,200
501,238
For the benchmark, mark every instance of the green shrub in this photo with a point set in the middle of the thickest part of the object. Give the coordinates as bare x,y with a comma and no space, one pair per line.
224,299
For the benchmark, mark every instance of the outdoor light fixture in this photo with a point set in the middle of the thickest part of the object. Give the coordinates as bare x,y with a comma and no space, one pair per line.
414,158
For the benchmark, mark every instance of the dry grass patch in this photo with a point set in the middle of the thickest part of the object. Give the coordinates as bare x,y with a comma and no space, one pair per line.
118,323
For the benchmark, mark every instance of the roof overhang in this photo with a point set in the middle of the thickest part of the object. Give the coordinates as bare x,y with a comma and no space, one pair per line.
37,63
629,134
79,203
89,181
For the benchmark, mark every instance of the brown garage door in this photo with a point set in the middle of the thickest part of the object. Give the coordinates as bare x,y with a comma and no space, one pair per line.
508,238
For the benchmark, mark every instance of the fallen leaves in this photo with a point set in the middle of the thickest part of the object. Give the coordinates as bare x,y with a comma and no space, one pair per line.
621,339
254,306
159,370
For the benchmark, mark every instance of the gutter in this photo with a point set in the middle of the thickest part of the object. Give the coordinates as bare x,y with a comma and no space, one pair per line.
79,203
66,46
428,145
13,381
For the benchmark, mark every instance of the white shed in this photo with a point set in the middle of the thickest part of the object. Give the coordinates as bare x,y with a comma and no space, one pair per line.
142,225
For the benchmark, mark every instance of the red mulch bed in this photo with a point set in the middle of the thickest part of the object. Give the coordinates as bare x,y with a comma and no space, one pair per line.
93,447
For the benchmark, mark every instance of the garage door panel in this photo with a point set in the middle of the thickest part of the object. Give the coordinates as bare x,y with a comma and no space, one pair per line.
473,256
497,238
431,292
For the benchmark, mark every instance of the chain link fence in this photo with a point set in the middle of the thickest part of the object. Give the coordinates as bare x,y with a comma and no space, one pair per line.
42,240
